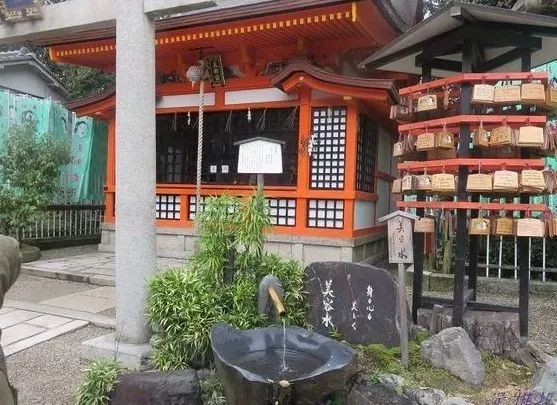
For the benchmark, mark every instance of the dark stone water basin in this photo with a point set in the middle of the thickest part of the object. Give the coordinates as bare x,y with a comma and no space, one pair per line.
249,364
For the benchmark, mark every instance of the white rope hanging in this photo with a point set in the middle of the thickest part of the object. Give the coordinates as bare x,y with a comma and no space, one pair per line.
194,74
199,146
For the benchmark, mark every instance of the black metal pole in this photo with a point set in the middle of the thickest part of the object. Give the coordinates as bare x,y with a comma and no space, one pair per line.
522,242
417,284
473,256
462,195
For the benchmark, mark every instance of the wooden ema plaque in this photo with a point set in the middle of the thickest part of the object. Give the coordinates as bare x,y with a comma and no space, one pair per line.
551,96
423,182
505,181
443,183
427,103
397,186
480,226
501,136
425,142
398,149
441,154
531,227
532,181
532,93
483,93
444,140
480,137
504,226
506,94
424,225
407,183
530,136
479,182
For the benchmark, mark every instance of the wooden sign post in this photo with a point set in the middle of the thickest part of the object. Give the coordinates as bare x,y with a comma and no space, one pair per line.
260,155
399,231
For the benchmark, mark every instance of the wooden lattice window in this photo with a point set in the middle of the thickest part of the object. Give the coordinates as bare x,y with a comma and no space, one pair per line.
326,214
366,154
329,147
168,206
282,211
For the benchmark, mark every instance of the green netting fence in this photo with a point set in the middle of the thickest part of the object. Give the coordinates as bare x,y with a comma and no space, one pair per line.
82,180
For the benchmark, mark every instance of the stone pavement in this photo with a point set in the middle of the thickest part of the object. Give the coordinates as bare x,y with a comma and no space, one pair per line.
94,268
31,316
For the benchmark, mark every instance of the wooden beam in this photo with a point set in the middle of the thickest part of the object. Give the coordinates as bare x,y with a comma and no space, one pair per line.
442,64
503,59
64,18
160,8
462,15
78,16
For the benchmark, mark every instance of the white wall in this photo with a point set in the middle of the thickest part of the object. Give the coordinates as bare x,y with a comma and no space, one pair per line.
26,79
384,153
364,214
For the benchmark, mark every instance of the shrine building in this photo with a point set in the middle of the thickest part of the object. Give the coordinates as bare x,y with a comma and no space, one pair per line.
289,73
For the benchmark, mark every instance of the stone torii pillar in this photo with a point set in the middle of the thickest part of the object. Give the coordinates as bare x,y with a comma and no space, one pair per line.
135,145
135,167
135,180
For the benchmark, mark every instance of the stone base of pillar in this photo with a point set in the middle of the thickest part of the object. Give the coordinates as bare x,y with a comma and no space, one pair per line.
132,356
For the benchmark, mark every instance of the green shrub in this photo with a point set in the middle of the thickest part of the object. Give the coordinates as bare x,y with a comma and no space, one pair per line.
29,170
212,392
220,284
98,382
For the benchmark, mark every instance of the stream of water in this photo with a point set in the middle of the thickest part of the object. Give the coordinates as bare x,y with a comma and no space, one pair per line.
283,367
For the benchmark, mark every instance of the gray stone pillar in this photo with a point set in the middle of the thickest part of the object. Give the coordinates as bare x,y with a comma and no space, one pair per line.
135,168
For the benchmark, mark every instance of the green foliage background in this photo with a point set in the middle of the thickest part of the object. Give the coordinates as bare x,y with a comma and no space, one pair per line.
219,284
29,172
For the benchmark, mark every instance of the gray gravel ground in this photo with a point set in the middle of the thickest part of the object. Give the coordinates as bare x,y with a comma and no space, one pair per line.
543,312
49,373
26,288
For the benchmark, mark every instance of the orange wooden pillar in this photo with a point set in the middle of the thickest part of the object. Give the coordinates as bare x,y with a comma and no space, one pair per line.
304,132
350,163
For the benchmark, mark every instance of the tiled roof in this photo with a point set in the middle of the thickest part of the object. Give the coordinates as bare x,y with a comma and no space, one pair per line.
24,56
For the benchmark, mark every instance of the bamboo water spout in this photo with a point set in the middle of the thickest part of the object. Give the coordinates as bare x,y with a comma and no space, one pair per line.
277,302
271,297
